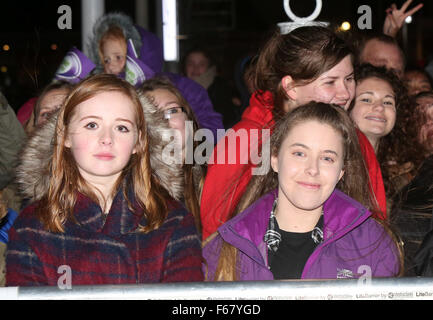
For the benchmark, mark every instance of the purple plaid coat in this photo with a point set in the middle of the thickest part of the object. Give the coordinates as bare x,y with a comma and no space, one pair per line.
104,252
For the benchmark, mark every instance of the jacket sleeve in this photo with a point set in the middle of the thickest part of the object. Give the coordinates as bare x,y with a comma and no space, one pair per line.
386,259
23,266
211,254
12,137
226,179
183,256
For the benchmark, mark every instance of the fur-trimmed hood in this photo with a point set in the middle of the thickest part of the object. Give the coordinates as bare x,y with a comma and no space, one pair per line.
147,45
33,170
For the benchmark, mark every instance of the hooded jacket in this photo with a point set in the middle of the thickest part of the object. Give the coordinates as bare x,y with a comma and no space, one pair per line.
150,53
99,249
12,138
33,171
226,182
353,243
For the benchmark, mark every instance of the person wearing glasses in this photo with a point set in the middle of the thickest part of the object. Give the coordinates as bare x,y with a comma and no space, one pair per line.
167,98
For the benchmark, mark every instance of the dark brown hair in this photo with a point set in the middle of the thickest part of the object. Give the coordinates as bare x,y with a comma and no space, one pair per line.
355,182
395,149
304,54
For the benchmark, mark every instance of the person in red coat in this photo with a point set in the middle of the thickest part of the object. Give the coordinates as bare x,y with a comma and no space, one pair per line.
309,63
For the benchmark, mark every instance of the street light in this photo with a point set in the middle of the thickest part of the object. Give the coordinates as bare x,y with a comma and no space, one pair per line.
345,26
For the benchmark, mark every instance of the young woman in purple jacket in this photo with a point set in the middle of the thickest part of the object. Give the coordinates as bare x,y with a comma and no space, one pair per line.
308,217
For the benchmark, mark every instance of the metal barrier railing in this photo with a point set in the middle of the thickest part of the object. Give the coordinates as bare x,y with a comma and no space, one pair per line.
344,289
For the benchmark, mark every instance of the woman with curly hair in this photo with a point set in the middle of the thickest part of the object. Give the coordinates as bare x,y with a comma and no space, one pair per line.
378,110
413,204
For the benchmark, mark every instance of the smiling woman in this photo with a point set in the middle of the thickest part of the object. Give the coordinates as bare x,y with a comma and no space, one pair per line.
307,64
379,110
304,218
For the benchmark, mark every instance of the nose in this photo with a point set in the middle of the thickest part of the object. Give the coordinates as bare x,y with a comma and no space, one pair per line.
105,137
112,67
343,92
312,167
378,106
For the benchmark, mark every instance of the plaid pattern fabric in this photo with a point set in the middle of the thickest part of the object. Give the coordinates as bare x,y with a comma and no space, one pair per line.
109,252
273,237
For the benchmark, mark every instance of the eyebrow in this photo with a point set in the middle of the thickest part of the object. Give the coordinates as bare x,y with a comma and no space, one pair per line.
99,118
171,102
296,144
336,77
43,108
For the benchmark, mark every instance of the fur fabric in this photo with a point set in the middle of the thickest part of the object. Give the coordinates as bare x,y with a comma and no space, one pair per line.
101,25
33,170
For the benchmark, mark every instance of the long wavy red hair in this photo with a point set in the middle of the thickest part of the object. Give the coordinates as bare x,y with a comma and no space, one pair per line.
57,206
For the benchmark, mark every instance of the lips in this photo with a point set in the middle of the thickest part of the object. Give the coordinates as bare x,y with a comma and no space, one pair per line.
341,103
309,185
104,156
376,118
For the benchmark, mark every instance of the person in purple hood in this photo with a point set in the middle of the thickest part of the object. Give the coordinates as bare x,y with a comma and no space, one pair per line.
141,58
308,217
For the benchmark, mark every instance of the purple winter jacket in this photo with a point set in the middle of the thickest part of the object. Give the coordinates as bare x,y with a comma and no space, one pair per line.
151,53
354,244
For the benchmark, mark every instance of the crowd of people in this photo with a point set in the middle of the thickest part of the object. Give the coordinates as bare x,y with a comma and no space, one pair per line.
85,179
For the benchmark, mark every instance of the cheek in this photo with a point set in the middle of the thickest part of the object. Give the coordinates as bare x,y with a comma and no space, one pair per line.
356,113
189,69
127,144
323,94
77,142
178,124
332,175
351,87
287,168
391,118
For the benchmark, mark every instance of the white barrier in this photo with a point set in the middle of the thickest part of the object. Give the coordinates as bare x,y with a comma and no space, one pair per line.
344,289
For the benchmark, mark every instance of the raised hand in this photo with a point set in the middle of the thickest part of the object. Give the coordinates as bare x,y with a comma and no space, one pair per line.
395,17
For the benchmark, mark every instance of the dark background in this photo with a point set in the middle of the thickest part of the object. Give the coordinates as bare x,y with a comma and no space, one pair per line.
229,28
